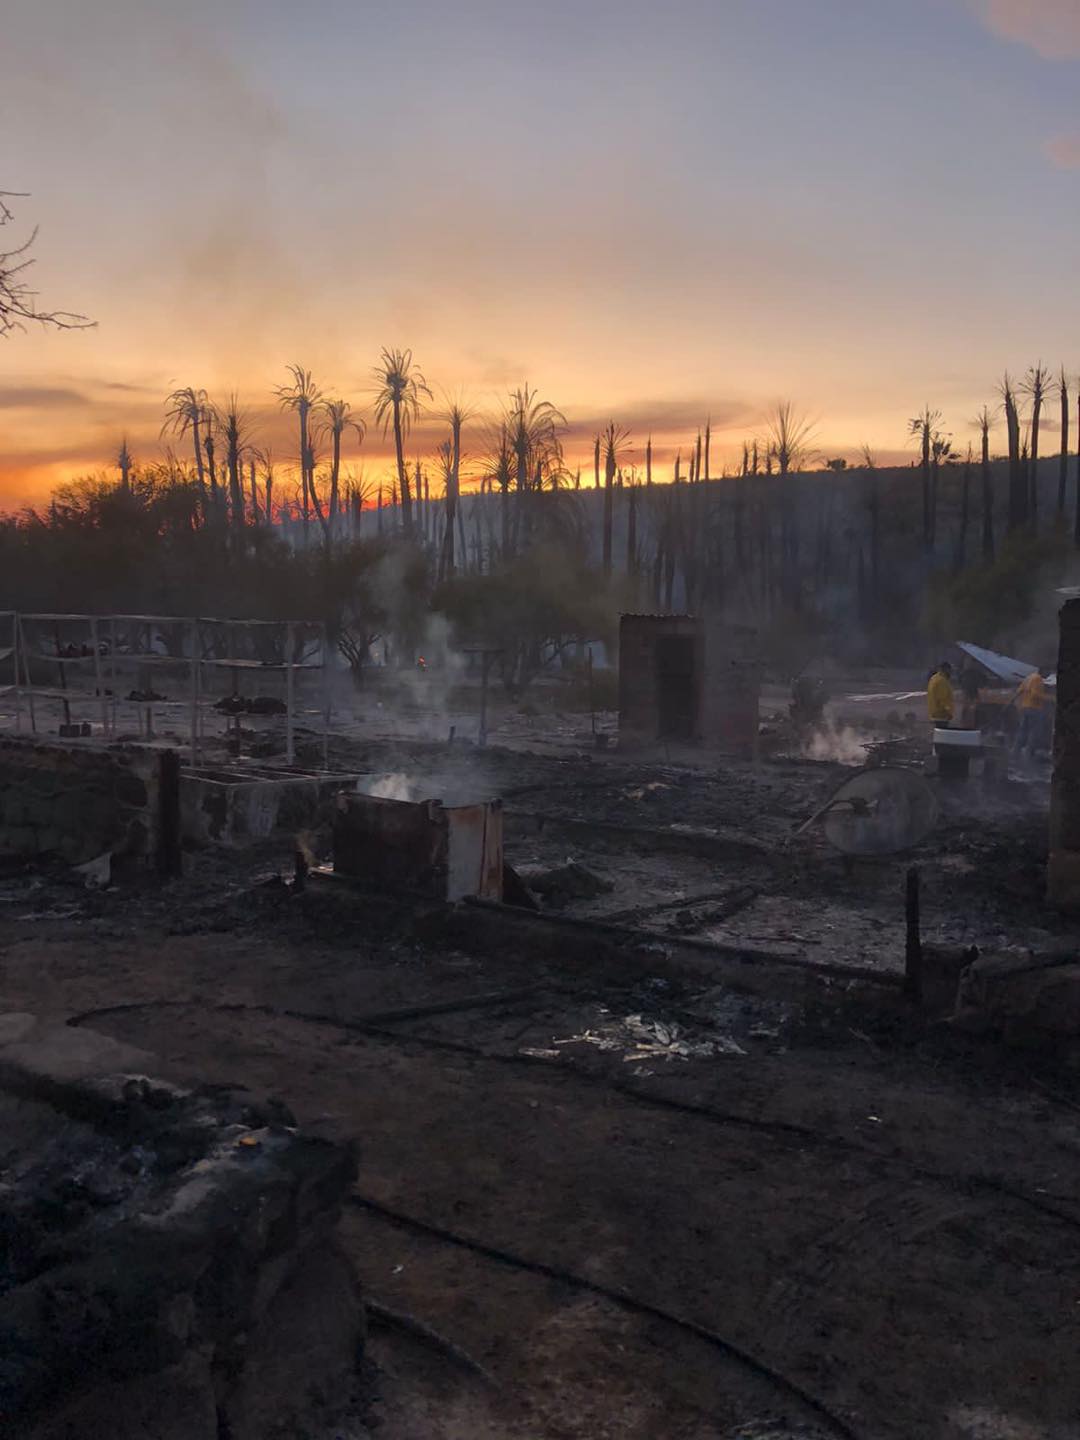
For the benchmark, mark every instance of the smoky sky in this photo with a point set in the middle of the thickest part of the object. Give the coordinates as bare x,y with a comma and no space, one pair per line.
653,214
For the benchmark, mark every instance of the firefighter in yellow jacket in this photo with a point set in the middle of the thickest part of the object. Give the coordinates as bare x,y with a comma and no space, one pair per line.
1033,702
939,696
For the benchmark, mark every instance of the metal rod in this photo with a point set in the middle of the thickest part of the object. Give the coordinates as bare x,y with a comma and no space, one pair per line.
63,680
112,670
193,631
15,660
326,701
26,673
289,748
98,679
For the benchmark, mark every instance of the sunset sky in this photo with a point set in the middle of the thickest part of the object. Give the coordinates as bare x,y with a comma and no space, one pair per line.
649,211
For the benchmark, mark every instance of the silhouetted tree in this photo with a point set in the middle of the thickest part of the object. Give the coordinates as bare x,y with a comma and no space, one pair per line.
399,393
18,302
302,396
615,442
923,427
123,464
186,412
985,420
335,418
1018,488
233,429
1036,384
1063,460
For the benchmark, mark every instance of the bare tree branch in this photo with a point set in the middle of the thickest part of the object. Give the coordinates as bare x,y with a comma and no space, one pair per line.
18,302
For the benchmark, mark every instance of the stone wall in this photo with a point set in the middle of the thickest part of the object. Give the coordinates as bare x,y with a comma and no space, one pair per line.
169,1265
76,800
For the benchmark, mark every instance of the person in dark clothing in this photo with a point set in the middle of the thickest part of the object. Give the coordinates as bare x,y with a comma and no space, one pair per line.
970,685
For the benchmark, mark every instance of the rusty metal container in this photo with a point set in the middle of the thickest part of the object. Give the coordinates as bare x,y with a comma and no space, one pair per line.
449,852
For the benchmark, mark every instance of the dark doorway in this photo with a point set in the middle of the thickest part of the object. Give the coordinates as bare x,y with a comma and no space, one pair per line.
676,687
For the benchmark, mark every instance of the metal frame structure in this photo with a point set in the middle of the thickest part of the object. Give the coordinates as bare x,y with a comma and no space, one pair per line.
201,643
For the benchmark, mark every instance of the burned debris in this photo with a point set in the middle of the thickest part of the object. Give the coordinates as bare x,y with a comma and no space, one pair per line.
515,969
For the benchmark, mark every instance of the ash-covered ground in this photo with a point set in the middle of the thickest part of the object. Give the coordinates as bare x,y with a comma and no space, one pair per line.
738,1199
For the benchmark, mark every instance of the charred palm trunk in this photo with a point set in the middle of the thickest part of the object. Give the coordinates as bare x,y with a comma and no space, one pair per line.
455,488
1063,461
236,490
875,543
1018,490
402,472
254,492
210,446
960,558
335,481
987,498
631,536
305,462
199,469
609,507
1033,491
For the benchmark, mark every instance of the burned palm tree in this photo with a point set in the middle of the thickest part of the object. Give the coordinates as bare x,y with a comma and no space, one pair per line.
791,438
1018,488
873,510
498,473
334,418
400,389
984,421
211,426
450,463
265,458
616,442
124,464
302,396
533,428
922,428
1035,387
960,554
1063,457
234,428
941,453
185,413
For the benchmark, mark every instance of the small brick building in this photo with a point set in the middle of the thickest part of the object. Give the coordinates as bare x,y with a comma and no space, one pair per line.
686,679
1063,879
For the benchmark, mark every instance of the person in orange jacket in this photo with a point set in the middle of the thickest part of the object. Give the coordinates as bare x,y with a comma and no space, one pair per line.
1033,702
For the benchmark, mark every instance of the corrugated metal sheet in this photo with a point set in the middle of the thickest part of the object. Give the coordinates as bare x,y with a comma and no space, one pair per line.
1006,669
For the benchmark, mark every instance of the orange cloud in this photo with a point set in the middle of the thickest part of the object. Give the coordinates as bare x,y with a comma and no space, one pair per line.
1064,151
1049,27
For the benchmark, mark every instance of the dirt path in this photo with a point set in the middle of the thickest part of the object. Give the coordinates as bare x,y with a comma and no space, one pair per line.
859,1216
